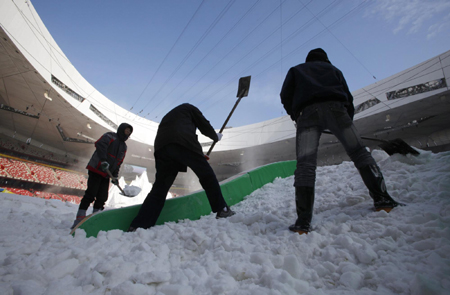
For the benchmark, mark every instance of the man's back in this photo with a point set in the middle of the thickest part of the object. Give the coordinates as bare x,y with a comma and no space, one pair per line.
179,126
313,82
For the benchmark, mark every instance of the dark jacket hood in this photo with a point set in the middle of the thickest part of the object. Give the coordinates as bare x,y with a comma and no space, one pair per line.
317,54
121,131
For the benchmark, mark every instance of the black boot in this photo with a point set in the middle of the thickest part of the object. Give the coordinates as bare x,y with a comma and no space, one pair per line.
131,229
374,181
225,213
304,201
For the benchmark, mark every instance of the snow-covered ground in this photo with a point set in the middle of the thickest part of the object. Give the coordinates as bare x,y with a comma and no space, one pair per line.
352,250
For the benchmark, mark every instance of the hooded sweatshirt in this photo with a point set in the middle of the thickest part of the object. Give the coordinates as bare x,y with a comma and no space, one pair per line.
314,81
111,147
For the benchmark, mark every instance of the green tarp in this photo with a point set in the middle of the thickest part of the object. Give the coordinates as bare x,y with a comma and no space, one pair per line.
191,206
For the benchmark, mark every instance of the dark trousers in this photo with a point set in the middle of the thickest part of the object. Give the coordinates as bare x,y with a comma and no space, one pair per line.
97,192
312,121
169,160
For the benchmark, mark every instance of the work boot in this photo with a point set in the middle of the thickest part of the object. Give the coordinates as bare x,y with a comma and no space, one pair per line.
226,212
81,214
304,202
131,229
374,181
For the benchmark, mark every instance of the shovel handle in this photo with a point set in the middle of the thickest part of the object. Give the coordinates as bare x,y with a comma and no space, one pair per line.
362,137
110,175
225,123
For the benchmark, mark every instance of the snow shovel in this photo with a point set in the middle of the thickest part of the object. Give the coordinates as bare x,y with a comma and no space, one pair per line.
395,146
244,86
132,191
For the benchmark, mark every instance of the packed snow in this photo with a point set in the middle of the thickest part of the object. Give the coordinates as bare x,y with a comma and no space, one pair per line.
352,249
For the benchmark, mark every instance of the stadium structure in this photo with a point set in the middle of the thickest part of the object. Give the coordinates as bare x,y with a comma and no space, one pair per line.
50,116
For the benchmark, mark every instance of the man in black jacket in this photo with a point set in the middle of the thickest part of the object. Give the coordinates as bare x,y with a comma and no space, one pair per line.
176,148
316,96
110,151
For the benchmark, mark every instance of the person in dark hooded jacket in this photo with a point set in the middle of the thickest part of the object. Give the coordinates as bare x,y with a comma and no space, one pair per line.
176,148
110,151
316,96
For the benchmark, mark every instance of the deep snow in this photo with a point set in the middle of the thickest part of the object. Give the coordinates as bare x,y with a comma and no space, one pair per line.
352,250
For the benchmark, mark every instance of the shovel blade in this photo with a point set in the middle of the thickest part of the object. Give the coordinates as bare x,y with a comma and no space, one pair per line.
131,191
244,86
398,146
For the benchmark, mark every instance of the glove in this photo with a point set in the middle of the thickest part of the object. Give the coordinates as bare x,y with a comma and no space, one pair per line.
206,157
219,135
104,166
115,181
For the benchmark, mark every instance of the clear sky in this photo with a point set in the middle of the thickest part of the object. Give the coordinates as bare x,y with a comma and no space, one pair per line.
149,56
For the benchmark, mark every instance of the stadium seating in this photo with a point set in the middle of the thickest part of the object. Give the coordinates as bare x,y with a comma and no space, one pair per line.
33,172
41,174
19,191
4,163
70,198
45,195
72,180
14,168
18,170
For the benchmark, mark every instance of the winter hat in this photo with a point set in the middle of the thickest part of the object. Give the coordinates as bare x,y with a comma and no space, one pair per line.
121,131
317,54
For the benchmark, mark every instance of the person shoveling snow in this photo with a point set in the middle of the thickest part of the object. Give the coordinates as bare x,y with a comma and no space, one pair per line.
110,150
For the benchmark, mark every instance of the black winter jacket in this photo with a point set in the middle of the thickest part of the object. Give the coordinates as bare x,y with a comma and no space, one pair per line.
111,147
314,82
179,126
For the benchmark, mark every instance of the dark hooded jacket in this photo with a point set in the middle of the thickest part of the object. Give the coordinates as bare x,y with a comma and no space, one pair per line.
316,80
111,147
179,126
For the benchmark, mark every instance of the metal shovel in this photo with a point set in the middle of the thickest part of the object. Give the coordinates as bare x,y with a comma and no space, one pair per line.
136,190
243,88
391,147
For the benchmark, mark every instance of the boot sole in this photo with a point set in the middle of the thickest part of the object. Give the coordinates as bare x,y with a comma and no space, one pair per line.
384,209
388,209
221,217
300,232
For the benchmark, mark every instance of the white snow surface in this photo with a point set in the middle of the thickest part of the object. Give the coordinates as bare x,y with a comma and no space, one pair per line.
351,250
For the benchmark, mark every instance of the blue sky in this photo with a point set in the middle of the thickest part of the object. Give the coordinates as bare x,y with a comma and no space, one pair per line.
149,56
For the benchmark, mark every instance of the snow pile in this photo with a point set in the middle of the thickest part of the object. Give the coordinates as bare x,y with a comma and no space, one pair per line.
351,250
131,190
117,200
